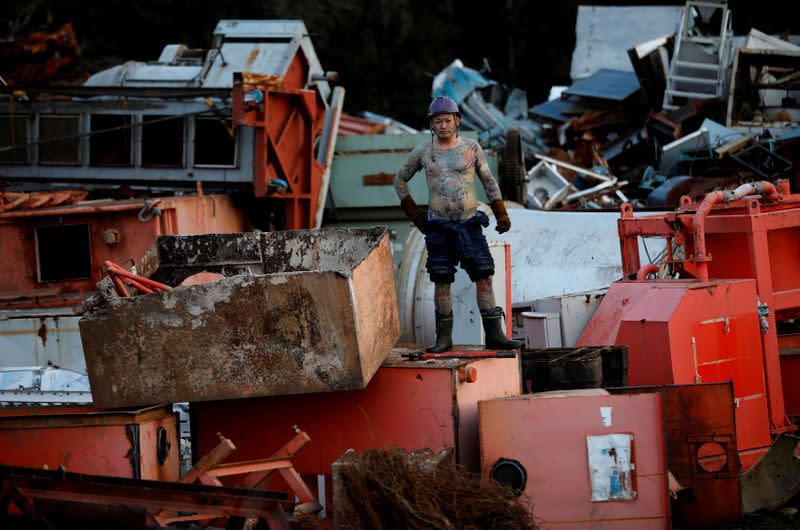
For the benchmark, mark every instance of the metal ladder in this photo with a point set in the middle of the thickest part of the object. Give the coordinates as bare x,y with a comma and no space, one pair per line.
699,64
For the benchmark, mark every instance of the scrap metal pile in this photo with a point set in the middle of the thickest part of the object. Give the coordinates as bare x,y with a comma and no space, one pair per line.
665,401
656,111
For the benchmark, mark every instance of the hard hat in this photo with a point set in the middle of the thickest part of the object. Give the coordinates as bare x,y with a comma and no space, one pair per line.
443,105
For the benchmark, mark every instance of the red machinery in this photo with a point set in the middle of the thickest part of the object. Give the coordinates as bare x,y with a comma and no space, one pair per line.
287,123
719,321
54,256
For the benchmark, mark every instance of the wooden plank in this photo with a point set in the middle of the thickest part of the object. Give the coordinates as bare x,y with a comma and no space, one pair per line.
734,145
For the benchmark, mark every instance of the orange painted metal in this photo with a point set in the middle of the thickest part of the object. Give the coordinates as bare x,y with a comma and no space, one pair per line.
20,287
119,276
408,404
789,346
731,235
119,443
209,468
287,122
684,332
547,435
509,320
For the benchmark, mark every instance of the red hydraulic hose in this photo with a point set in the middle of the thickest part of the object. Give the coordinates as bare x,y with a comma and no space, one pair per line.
646,270
716,197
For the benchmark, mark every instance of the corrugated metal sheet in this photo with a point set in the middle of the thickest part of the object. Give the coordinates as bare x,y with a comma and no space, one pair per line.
352,125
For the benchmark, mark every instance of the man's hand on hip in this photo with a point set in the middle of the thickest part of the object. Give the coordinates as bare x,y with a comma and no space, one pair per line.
418,215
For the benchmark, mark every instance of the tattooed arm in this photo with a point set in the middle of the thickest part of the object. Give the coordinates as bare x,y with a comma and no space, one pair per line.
414,163
485,174
492,192
409,169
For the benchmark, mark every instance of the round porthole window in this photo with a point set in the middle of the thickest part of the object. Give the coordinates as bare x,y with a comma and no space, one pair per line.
511,473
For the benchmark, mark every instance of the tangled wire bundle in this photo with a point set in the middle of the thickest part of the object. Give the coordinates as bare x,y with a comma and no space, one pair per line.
388,489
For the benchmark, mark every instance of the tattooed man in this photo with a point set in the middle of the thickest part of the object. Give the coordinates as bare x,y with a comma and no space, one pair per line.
452,223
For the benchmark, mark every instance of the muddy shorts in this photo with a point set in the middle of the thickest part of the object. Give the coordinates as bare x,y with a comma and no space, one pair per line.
450,243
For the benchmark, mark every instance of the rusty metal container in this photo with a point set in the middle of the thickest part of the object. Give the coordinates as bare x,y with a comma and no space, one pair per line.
137,443
293,312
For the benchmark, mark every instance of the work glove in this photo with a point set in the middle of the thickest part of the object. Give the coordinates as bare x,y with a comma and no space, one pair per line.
418,215
500,215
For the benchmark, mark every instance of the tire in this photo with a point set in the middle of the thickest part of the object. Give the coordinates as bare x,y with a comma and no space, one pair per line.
513,167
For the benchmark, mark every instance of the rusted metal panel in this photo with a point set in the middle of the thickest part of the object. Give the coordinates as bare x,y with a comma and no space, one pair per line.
297,312
700,432
98,493
124,443
10,200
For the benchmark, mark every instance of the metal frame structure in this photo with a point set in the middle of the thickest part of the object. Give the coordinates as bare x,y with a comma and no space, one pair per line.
198,496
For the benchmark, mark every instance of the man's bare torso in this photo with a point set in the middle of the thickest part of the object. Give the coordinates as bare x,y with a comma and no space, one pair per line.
451,176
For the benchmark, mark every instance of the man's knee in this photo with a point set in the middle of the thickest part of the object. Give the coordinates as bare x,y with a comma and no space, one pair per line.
442,275
480,273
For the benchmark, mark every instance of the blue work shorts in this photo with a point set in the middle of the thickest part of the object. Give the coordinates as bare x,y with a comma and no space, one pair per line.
450,243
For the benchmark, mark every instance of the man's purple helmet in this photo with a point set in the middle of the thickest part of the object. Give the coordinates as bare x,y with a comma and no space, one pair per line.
443,105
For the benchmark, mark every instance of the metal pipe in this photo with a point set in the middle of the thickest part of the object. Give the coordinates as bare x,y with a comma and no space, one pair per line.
645,271
701,258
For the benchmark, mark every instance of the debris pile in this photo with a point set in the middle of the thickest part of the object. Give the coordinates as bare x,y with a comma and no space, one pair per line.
691,112
391,489
481,113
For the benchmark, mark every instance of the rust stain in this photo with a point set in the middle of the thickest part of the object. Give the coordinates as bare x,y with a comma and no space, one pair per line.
252,57
43,332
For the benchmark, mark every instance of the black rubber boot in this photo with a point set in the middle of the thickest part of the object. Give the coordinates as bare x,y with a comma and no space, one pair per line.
493,327
444,334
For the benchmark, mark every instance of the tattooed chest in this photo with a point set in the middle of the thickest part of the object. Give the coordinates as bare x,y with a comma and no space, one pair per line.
451,185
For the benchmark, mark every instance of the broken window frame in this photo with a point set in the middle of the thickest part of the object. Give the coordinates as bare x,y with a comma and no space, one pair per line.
13,117
79,148
129,129
142,122
195,129
37,248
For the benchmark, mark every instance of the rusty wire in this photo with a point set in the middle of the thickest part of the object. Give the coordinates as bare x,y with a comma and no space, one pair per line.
385,489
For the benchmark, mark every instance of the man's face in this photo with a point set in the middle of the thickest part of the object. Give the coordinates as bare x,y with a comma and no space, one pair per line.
444,125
